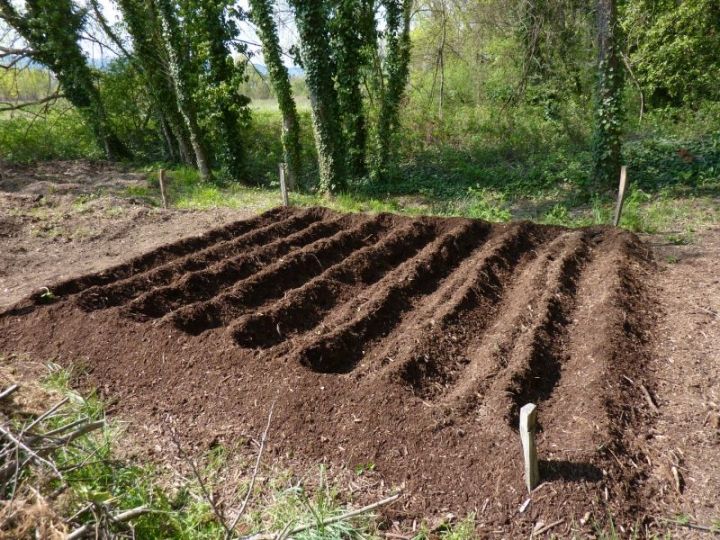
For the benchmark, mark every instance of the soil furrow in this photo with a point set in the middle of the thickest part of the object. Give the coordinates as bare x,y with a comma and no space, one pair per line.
206,283
502,357
364,319
607,285
433,362
122,291
303,308
536,367
166,253
408,343
288,273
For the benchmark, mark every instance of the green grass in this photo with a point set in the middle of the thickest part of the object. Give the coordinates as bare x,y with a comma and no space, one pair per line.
478,162
664,212
514,166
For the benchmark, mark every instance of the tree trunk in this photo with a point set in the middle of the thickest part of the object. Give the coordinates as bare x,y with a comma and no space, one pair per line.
52,29
608,115
168,139
397,14
143,24
262,16
311,18
224,79
354,28
186,104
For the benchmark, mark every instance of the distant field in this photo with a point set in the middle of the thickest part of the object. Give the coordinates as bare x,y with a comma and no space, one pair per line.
302,103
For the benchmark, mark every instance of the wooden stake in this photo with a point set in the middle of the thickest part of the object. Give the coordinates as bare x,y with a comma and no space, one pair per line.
162,188
528,419
621,195
283,187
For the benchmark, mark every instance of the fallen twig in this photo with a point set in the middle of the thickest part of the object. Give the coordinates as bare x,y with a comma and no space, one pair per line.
54,432
117,518
82,430
695,526
219,515
646,393
8,391
548,527
329,521
246,500
649,398
31,453
46,414
709,311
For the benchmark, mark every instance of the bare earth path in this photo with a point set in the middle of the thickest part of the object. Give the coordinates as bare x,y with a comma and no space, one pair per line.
686,367
61,219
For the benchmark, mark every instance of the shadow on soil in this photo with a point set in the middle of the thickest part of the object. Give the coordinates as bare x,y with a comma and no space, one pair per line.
568,471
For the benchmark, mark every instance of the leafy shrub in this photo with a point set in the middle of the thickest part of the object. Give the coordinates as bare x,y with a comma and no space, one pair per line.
61,135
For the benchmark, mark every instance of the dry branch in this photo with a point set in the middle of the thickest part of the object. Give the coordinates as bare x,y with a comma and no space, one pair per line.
27,445
549,526
255,473
117,518
8,391
29,451
695,526
329,521
649,398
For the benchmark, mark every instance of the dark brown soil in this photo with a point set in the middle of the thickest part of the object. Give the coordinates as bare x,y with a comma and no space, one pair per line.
406,343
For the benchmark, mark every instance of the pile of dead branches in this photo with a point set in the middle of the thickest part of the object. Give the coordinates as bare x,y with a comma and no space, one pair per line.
27,450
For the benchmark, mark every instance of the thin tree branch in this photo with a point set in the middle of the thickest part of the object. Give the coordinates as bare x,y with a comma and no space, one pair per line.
330,521
255,473
10,107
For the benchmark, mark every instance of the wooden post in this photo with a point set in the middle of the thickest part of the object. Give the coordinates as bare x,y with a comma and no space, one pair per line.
621,195
162,187
528,419
283,187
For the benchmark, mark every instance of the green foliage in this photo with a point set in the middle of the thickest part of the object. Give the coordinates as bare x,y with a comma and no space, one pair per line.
222,110
29,84
675,49
52,28
394,79
61,135
312,19
262,16
352,31
129,108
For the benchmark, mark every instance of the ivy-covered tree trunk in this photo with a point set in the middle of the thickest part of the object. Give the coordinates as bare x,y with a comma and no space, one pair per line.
397,60
262,16
608,115
172,38
354,31
223,80
52,29
312,23
143,24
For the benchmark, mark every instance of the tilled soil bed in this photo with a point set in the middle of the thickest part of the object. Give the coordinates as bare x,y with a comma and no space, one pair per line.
405,343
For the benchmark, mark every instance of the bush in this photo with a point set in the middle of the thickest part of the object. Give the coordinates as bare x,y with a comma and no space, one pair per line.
62,134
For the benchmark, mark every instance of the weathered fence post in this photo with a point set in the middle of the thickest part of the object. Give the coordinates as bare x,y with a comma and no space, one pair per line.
283,187
621,195
528,419
162,187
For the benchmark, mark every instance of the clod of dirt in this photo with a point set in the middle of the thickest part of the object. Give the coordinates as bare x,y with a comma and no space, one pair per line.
409,343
